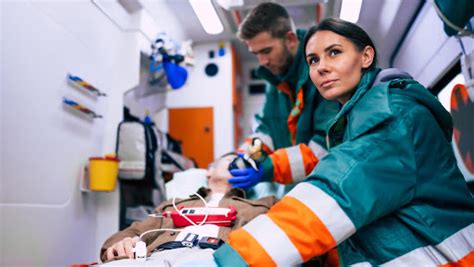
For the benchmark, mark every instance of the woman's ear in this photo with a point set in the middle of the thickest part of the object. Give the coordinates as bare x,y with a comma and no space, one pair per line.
367,56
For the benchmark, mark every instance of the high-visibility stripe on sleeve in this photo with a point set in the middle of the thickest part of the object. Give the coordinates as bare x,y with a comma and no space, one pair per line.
249,248
292,164
456,250
459,245
296,163
318,150
466,261
309,159
305,230
325,208
281,167
275,242
294,230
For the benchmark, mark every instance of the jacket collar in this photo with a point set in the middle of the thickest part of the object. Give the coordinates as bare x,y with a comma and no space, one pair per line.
367,108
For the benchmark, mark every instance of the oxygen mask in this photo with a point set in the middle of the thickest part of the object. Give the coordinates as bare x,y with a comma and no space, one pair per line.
250,158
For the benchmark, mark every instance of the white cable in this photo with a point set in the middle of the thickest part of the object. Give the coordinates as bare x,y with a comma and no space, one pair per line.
179,212
186,217
158,230
140,246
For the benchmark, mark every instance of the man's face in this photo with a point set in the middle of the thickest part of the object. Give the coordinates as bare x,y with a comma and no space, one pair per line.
272,53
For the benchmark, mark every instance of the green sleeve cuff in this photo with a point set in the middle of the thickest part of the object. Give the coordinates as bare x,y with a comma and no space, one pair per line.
267,166
227,256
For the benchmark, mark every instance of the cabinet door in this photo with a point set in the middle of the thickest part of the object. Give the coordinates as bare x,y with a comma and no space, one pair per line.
194,128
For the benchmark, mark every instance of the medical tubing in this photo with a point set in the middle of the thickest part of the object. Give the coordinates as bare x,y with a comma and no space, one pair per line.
186,217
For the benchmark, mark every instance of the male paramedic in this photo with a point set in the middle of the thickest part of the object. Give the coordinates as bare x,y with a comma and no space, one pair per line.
169,243
292,125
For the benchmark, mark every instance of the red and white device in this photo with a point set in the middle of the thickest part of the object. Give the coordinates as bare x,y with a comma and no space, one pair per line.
216,216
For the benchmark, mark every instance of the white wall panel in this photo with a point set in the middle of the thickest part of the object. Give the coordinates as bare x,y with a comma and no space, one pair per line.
45,220
427,51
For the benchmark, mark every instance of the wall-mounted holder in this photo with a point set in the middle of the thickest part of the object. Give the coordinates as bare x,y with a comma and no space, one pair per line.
76,106
84,179
78,82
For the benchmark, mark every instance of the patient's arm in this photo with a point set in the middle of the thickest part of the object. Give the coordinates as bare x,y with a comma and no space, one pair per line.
116,241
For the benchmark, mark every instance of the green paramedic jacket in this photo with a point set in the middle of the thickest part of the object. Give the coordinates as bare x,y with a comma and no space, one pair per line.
388,193
293,122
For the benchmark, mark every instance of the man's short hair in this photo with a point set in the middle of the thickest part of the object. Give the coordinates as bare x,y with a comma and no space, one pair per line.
266,17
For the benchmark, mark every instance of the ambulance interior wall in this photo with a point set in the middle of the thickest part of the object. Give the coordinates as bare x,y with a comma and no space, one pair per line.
45,220
251,103
202,90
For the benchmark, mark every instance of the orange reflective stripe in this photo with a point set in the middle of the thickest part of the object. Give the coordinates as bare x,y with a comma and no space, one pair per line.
466,261
292,121
309,159
285,88
297,108
295,114
332,259
249,249
281,167
305,230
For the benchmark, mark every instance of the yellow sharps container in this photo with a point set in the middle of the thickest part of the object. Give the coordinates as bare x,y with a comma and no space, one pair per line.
103,173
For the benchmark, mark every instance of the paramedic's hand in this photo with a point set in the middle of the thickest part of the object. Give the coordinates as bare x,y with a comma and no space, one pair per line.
122,249
246,178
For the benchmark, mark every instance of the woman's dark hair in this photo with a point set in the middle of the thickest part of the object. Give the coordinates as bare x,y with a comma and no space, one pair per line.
351,31
266,17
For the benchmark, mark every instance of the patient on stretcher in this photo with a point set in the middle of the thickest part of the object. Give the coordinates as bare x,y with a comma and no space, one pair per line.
162,247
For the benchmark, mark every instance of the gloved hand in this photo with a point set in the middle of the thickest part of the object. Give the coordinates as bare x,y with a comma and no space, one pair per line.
246,178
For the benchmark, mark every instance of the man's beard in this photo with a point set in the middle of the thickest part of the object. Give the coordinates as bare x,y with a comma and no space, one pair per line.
287,60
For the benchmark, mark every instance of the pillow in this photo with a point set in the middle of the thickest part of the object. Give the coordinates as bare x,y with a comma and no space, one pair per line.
186,183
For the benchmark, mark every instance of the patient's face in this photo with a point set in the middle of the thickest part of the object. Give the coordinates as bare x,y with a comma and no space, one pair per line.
218,174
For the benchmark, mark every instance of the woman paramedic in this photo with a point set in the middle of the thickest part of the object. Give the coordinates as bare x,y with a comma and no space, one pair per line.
388,193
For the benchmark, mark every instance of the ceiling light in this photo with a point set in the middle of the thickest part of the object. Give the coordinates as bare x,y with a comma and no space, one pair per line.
230,4
207,16
350,10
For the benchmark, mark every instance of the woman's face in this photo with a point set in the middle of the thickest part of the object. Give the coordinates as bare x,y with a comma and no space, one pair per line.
335,64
